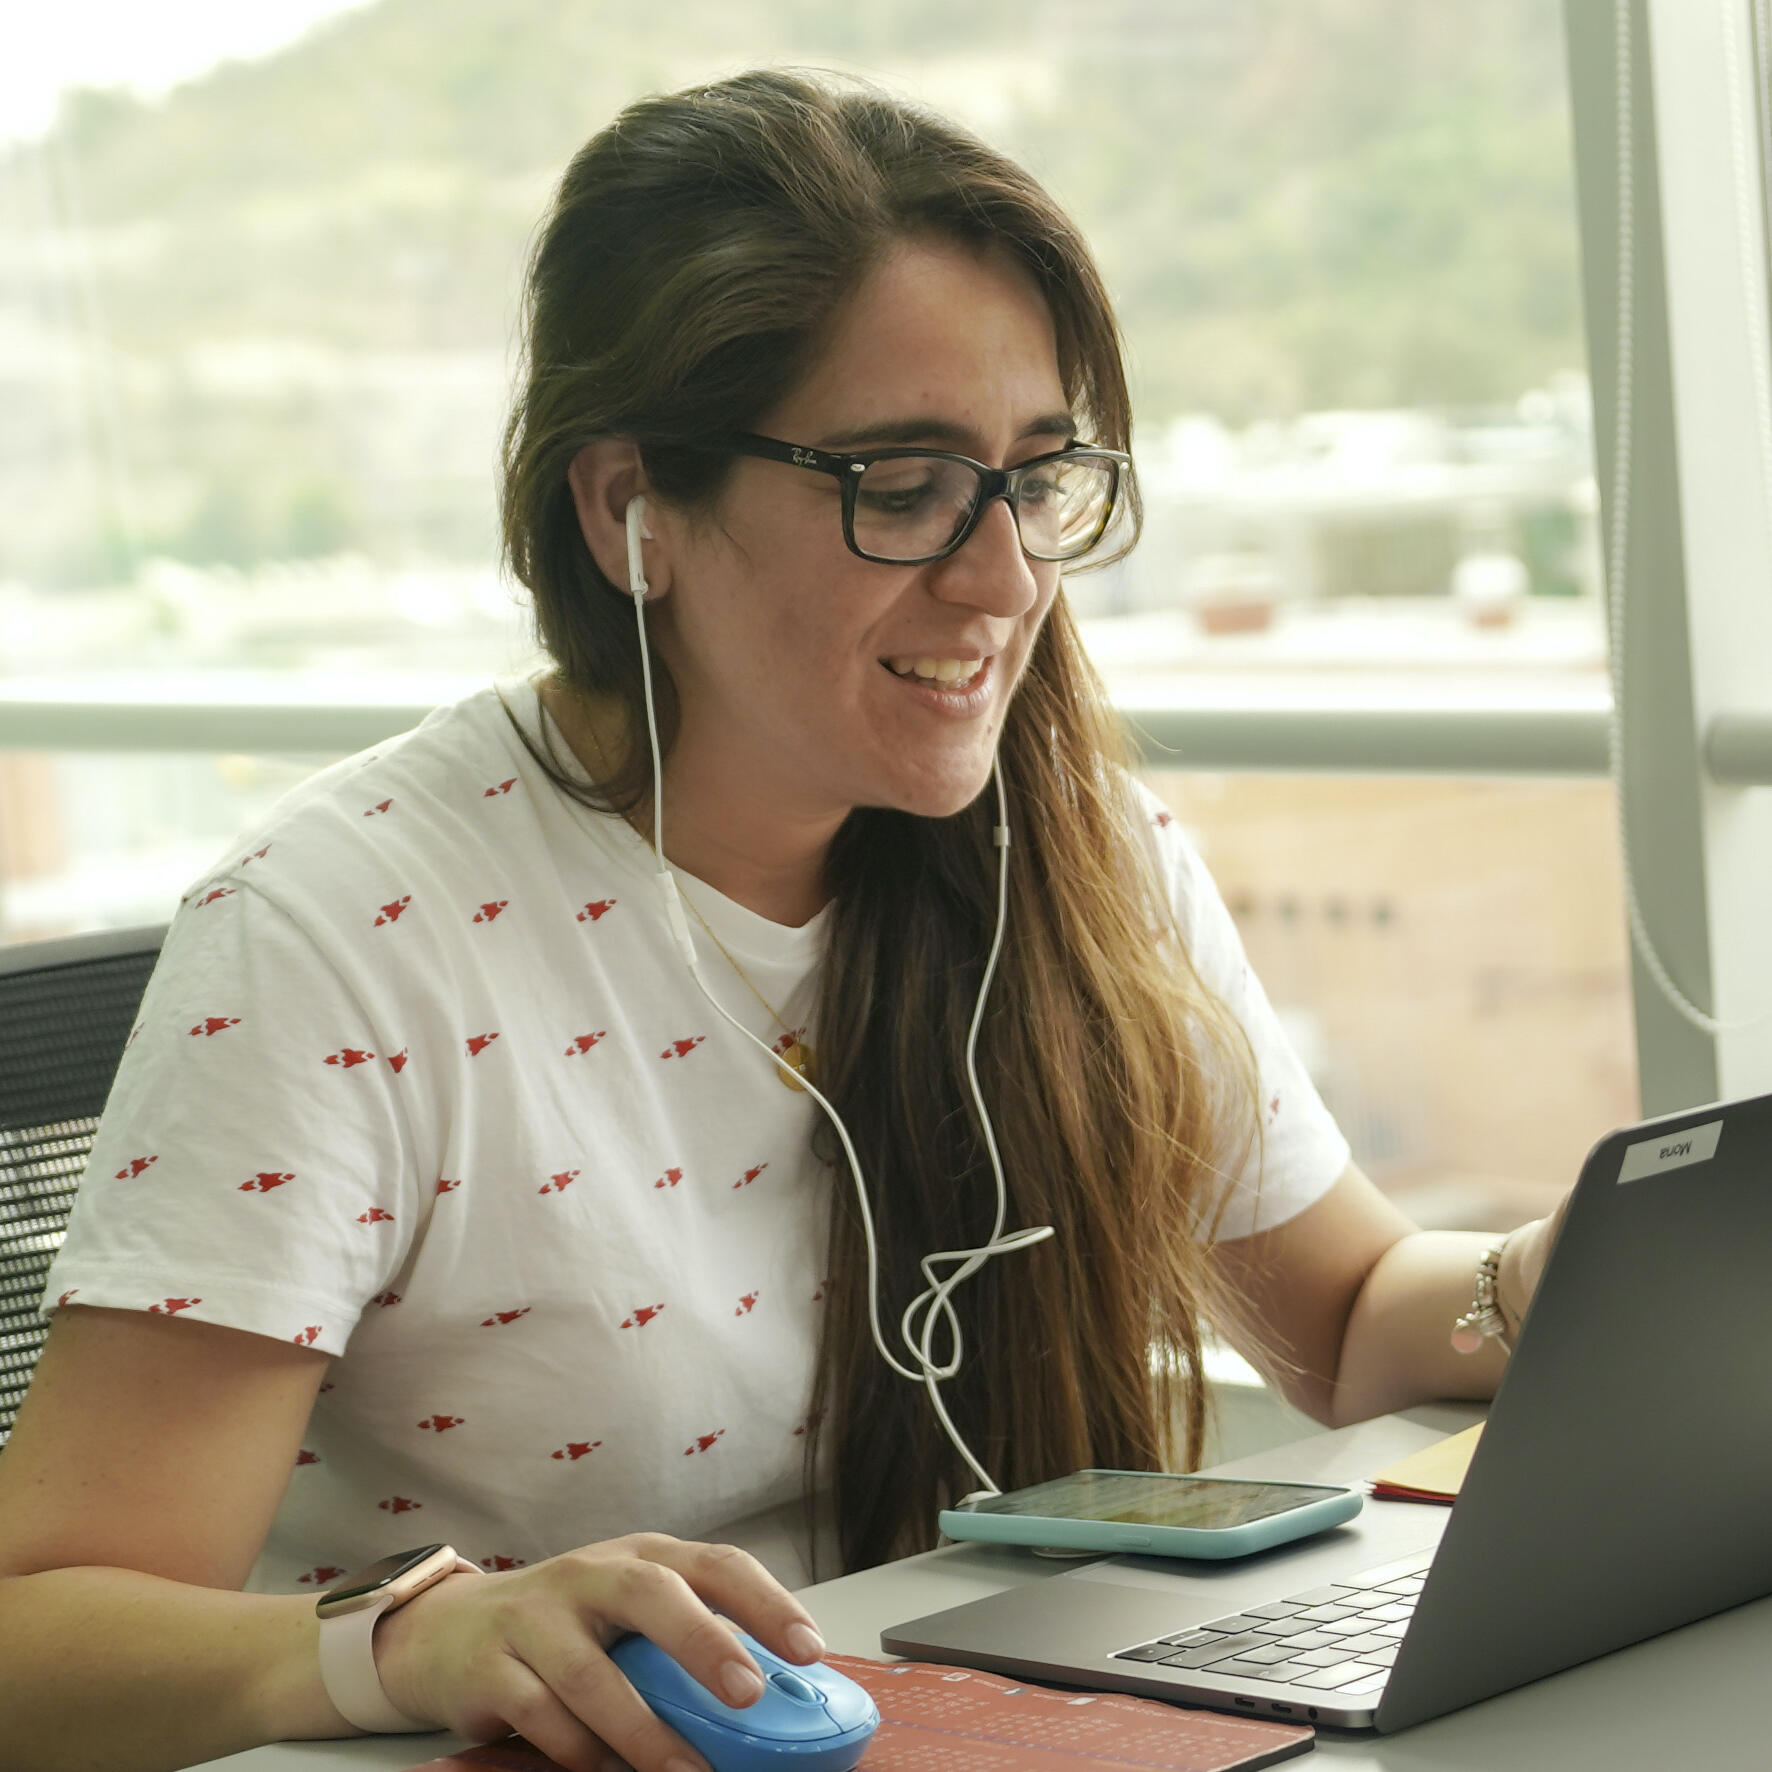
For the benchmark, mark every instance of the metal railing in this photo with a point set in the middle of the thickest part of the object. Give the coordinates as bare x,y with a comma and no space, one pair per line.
1519,735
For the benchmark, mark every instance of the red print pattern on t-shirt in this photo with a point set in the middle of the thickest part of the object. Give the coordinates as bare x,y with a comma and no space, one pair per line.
66,1296
824,1286
319,1577
304,1456
811,1421
503,1420
379,806
136,1166
211,897
504,787
214,1024
577,1449
256,855
170,1307
488,912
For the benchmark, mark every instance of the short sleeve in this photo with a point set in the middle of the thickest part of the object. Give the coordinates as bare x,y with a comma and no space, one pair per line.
252,1167
1301,1152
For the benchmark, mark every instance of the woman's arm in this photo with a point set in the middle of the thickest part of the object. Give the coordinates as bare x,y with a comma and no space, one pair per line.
1348,1308
135,1491
137,1488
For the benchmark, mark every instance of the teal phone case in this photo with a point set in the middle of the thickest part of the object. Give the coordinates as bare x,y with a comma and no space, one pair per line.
1214,1544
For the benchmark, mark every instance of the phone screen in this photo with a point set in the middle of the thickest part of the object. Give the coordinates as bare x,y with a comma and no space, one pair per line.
1155,1499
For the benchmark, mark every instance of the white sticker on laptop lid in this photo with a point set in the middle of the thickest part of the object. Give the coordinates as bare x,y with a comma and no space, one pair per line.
1672,1150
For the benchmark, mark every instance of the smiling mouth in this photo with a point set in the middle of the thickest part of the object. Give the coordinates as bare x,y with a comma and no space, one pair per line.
939,673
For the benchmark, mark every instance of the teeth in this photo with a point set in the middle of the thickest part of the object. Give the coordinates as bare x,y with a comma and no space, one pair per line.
939,670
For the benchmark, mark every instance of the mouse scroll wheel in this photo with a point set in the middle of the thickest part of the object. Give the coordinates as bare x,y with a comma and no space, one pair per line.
792,1686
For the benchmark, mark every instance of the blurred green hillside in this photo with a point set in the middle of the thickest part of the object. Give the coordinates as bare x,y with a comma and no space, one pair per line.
277,305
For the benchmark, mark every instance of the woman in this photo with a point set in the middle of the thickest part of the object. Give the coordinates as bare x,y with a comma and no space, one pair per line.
434,1175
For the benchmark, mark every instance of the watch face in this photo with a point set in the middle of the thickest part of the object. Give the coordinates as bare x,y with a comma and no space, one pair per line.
356,1590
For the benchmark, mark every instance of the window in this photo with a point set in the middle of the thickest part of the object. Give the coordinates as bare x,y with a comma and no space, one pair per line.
257,330
255,341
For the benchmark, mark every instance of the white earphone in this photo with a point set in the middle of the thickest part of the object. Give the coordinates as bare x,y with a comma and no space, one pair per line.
634,522
934,1301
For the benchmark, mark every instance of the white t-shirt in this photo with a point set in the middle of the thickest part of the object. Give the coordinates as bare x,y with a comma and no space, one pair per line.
422,1082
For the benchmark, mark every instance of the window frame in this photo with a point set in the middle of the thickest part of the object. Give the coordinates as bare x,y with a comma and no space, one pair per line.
1676,295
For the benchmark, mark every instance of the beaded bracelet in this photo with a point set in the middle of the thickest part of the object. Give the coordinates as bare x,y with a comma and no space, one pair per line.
1484,1319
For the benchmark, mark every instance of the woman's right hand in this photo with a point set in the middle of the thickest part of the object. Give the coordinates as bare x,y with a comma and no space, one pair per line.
526,1650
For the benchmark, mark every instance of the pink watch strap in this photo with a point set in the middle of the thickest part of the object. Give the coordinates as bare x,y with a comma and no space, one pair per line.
347,1669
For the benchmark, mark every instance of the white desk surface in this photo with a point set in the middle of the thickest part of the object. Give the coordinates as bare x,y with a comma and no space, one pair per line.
1684,1700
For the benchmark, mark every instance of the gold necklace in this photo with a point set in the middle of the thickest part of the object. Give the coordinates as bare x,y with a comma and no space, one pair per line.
795,1054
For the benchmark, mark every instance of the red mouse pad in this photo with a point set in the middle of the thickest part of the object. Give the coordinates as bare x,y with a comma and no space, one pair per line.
949,1719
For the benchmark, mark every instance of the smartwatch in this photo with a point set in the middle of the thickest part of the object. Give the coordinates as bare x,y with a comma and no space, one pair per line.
349,1611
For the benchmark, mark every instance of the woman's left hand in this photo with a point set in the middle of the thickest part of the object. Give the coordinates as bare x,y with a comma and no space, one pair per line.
1522,1264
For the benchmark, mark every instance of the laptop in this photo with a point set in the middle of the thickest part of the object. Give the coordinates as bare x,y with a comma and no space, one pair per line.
1619,1490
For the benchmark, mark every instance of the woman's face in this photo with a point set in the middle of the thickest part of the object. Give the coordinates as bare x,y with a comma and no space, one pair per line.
795,659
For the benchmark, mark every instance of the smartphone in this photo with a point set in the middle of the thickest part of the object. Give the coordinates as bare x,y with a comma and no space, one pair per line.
1154,1512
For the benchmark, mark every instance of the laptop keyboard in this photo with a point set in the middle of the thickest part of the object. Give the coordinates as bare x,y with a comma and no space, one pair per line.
1338,1638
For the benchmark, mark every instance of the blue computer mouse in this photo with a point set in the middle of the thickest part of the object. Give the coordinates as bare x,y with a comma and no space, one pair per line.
809,1719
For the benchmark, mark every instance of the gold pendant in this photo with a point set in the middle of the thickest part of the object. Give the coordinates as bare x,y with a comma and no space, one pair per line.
797,1056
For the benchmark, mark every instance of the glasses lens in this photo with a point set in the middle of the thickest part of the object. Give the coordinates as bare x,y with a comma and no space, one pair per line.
908,507
1064,504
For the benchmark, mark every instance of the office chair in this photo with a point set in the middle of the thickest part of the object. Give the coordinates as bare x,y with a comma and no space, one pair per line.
66,1008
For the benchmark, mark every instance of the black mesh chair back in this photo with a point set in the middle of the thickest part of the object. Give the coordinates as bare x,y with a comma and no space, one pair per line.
66,1008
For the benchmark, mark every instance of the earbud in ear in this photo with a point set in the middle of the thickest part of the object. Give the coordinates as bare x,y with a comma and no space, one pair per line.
634,519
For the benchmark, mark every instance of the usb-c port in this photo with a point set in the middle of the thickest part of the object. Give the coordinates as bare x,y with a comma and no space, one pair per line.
1285,1710
1250,1702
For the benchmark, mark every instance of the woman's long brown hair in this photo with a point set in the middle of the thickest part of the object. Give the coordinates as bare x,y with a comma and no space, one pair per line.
694,254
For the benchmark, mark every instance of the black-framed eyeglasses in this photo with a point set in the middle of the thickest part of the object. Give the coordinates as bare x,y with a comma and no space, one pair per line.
908,507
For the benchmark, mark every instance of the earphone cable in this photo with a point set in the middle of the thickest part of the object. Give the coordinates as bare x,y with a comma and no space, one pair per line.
929,1372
